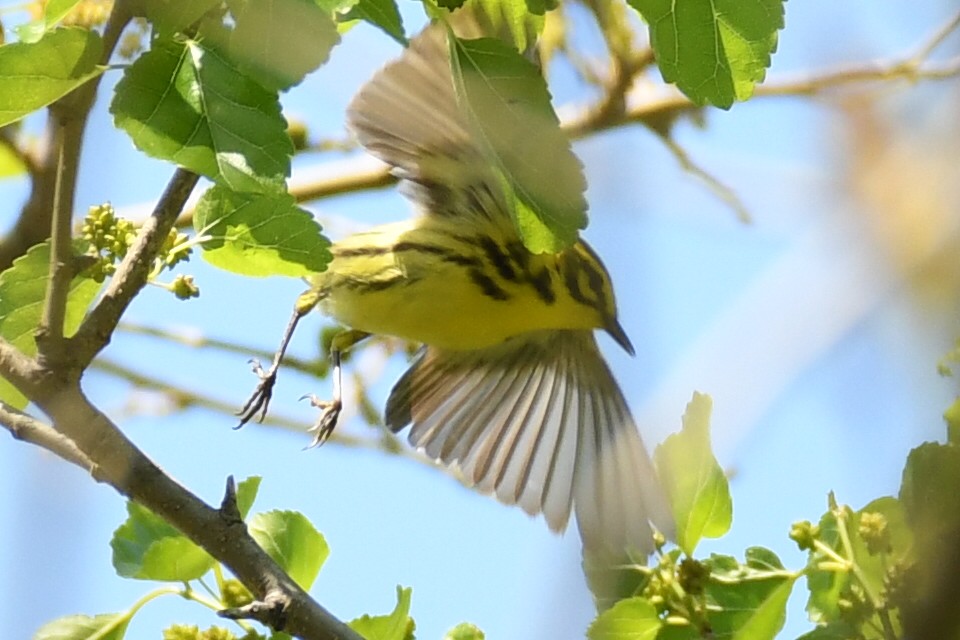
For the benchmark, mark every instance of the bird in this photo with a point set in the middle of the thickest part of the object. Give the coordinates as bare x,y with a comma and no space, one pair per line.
510,388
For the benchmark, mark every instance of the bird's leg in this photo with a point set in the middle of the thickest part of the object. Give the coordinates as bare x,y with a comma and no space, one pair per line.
330,409
259,401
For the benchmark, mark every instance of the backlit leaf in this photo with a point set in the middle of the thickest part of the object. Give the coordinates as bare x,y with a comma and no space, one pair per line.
715,51
186,103
22,290
693,479
259,235
507,101
32,75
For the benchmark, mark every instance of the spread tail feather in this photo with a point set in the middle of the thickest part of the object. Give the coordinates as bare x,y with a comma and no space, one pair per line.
540,422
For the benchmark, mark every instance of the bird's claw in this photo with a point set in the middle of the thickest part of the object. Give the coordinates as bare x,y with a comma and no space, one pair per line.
259,400
257,368
327,422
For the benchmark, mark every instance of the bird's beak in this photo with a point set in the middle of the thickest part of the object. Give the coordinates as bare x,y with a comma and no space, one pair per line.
617,333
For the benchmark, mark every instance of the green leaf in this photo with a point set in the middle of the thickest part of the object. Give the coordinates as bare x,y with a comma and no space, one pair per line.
629,619
397,625
293,542
57,10
748,601
278,42
693,479
22,290
874,566
828,587
186,103
931,502
678,632
32,75
335,7
146,547
259,235
930,497
763,559
246,493
168,16
464,631
513,21
106,626
613,578
382,14
53,12
716,51
768,617
30,32
825,586
507,101
832,631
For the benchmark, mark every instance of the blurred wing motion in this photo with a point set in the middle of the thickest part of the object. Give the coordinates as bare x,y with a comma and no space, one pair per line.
408,116
540,422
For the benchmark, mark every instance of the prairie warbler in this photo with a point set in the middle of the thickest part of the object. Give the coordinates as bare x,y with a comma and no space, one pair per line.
510,386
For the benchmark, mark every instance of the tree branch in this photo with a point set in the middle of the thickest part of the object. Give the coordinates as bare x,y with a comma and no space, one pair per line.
133,271
21,371
124,467
28,429
50,332
68,120
311,367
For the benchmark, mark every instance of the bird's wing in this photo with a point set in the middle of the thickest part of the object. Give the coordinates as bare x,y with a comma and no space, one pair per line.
540,422
408,117
455,159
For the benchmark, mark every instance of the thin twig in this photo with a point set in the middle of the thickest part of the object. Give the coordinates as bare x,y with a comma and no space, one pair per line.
369,178
199,342
719,189
61,254
941,34
28,429
68,120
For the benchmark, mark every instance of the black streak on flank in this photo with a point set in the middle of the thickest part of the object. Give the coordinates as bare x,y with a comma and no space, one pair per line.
541,282
359,251
490,288
595,284
571,267
519,254
499,259
570,270
377,285
401,247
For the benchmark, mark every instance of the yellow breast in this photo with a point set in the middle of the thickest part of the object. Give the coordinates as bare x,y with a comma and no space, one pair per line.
457,289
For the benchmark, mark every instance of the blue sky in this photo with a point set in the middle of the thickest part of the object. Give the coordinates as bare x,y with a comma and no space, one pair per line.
819,357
